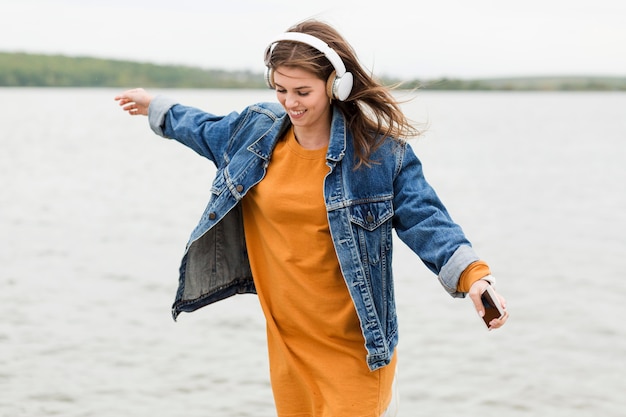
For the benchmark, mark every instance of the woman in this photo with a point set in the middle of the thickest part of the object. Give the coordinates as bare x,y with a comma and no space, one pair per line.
302,208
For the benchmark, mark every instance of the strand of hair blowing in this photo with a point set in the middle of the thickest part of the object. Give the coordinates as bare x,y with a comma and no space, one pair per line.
373,115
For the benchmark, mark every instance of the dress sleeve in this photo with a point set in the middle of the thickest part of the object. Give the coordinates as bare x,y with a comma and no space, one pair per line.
474,272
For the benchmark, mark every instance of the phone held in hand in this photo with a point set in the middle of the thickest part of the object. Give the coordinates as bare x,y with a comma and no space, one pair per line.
493,309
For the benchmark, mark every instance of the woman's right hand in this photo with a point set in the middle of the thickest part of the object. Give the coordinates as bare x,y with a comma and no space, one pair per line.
135,101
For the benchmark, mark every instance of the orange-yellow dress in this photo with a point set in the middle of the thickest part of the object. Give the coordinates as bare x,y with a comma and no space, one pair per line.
316,349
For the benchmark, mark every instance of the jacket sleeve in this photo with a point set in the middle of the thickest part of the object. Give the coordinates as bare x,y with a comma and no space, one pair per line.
205,133
423,223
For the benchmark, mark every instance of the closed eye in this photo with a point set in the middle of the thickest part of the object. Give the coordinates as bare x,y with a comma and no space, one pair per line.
300,93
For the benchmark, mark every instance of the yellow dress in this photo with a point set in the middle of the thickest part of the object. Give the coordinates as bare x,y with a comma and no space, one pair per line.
316,349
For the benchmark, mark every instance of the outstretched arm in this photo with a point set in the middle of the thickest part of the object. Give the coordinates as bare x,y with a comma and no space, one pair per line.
135,101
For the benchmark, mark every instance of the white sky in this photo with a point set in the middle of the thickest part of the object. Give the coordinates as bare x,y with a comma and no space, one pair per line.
405,38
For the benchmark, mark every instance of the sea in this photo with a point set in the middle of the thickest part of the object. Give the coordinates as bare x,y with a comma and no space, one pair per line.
95,212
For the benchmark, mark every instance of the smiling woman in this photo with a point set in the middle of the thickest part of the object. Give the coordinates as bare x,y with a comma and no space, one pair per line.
302,209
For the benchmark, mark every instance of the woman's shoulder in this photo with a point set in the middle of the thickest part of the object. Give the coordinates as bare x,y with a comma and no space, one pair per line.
389,146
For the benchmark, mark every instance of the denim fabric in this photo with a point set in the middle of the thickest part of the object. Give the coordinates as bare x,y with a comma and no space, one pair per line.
364,206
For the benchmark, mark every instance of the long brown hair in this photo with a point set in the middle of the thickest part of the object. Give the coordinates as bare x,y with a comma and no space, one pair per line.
371,111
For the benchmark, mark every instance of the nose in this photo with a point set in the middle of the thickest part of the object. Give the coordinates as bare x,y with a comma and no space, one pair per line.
291,100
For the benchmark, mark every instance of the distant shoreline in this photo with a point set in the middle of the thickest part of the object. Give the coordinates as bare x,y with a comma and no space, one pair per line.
38,70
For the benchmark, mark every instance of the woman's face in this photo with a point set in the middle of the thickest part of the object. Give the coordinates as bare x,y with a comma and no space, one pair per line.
303,95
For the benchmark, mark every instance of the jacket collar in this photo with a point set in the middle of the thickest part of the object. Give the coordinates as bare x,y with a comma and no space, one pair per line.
338,137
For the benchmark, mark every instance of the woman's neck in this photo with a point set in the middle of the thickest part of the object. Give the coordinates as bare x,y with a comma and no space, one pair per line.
312,141
313,137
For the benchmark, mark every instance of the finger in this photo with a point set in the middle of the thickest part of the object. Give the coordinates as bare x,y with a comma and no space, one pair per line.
122,97
475,294
126,95
129,106
497,323
480,308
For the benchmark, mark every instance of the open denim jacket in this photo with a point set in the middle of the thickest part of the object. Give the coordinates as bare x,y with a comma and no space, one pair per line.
363,206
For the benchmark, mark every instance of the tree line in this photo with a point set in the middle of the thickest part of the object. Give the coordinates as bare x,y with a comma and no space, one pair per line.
34,70
38,70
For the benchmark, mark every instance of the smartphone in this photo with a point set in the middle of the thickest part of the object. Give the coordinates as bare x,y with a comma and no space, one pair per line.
493,309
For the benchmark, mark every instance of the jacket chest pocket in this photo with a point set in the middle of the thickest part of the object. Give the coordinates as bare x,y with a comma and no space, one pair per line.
371,222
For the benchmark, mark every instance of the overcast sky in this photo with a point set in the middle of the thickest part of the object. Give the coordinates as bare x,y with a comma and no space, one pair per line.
405,38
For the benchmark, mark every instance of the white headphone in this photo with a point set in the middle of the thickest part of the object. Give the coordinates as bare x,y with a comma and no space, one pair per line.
339,84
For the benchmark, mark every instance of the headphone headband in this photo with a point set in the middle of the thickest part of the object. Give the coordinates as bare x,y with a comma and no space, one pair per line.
310,40
339,84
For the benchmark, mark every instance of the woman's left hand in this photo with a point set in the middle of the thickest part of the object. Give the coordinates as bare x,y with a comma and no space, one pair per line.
475,292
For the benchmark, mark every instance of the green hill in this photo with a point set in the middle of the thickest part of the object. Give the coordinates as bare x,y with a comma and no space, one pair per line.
547,83
37,70
33,70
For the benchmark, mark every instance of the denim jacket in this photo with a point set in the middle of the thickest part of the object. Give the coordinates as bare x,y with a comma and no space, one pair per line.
363,206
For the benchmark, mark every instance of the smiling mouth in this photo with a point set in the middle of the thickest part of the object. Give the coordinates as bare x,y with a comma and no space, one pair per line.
297,113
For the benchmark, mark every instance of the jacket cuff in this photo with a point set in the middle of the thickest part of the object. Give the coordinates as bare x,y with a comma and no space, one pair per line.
159,106
450,273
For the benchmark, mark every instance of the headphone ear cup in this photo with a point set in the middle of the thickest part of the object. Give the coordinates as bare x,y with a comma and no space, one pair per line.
339,88
330,85
269,78
342,86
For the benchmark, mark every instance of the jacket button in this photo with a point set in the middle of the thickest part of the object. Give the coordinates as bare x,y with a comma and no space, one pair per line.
369,218
212,216
239,188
